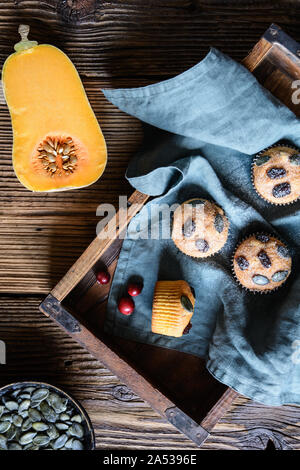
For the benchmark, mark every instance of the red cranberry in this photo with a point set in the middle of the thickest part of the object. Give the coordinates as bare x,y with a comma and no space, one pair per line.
187,329
134,289
103,277
126,305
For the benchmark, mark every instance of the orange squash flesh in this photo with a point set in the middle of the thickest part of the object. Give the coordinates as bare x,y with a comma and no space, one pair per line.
46,98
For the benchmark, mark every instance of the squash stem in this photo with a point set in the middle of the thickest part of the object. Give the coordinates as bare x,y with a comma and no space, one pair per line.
24,43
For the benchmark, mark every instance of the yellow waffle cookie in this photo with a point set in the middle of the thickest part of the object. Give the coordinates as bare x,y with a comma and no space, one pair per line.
173,308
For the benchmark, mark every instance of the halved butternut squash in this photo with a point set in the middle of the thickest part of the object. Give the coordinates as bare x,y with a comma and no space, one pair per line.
58,143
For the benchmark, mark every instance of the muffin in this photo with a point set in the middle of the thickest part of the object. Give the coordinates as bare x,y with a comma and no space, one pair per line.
276,174
200,228
173,308
262,263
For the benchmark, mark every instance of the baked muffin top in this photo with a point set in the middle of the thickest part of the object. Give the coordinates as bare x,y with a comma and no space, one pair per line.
262,263
276,174
200,228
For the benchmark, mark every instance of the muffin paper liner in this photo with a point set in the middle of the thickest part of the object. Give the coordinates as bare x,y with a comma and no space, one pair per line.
252,174
257,291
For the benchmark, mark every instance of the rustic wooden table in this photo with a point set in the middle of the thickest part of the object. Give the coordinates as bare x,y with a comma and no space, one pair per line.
112,43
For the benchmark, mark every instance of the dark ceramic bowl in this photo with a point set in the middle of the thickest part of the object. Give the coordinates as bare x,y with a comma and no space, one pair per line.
89,437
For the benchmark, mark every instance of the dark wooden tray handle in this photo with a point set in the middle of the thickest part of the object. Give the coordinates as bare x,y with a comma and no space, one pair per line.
51,307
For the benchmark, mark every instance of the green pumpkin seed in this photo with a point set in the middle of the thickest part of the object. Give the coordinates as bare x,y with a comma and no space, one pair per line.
31,446
62,426
197,202
40,394
11,405
14,446
279,276
11,433
29,390
76,430
48,413
77,445
4,426
3,442
60,442
64,417
40,426
69,443
186,303
25,396
261,160
34,415
41,440
77,419
295,159
27,438
17,420
1,410
58,404
25,404
24,414
260,280
52,432
26,425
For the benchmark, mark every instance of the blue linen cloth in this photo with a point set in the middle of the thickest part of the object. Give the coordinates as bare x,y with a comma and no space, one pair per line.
202,129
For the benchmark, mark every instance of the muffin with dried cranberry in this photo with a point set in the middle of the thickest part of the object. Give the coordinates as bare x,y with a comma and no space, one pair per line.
276,174
262,263
200,228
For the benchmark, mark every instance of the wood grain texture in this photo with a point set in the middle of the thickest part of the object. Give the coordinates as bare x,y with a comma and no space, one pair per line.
112,44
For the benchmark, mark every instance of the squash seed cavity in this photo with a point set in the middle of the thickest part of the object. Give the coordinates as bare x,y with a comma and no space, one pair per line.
58,156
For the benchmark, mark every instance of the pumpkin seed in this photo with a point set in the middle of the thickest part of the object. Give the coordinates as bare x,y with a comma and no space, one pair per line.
41,440
40,394
48,147
76,430
51,157
77,419
62,426
68,444
48,413
25,396
29,390
11,405
4,426
260,280
52,432
58,404
1,410
3,442
77,445
279,276
73,159
11,433
197,202
26,425
261,160
40,426
34,414
17,420
64,417
186,304
27,438
25,404
14,446
60,442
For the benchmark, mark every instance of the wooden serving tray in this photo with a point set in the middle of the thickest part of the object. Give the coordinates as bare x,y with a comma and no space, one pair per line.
186,395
